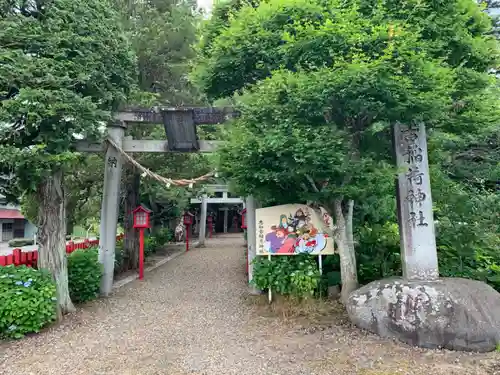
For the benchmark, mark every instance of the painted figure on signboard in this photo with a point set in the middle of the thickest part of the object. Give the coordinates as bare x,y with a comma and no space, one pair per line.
310,240
284,222
300,219
327,219
275,239
293,229
295,234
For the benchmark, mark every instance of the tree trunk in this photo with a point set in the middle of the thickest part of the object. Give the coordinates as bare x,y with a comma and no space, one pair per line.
52,237
131,240
342,232
345,244
350,232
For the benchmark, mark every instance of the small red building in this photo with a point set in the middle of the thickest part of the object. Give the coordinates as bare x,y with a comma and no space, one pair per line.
13,224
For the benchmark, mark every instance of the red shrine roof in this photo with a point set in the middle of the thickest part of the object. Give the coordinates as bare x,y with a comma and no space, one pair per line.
10,214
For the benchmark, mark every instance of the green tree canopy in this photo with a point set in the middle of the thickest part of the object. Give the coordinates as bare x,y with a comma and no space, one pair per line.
323,82
257,40
65,66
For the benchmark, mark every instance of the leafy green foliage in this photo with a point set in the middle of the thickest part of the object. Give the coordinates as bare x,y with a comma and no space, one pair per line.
157,240
287,275
19,242
81,81
162,34
66,65
331,88
163,236
468,235
319,85
119,257
27,300
304,35
333,278
150,245
83,190
84,274
169,203
378,252
221,16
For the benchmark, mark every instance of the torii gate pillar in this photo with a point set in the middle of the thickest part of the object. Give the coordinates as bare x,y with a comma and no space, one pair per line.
251,206
203,221
110,206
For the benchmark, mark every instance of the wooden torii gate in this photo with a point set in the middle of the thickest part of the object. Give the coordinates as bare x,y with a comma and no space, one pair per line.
180,127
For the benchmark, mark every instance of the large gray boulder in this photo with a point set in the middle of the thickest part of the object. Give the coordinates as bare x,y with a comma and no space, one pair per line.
456,314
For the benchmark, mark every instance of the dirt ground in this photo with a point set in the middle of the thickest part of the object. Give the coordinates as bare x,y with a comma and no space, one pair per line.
194,316
151,260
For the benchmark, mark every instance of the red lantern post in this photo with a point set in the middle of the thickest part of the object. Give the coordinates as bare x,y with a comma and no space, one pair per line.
188,221
210,221
141,221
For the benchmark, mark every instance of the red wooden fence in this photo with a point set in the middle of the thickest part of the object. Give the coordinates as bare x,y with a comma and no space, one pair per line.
29,258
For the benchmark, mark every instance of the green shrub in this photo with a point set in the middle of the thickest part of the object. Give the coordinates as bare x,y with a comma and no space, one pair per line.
19,242
331,262
163,236
84,275
493,276
27,300
150,245
119,256
378,254
333,278
157,240
287,275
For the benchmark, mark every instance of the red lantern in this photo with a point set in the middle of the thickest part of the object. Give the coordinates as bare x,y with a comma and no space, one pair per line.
188,219
141,221
141,217
244,219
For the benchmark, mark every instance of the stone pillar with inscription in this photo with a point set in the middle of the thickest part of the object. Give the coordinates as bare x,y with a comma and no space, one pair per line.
109,206
420,308
416,222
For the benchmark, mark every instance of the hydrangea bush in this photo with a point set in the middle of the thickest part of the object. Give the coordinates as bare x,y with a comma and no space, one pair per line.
27,300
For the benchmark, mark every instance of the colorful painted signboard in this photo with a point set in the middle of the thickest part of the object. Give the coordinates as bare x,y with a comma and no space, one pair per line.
291,229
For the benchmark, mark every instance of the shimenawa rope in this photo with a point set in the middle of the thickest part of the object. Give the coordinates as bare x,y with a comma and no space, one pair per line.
167,181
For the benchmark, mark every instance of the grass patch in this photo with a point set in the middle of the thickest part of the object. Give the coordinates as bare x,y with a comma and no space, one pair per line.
287,307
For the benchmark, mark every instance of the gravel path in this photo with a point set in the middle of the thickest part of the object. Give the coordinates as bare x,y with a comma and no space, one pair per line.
193,316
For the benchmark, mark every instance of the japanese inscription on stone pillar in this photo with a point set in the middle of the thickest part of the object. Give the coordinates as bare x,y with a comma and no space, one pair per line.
112,162
418,241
